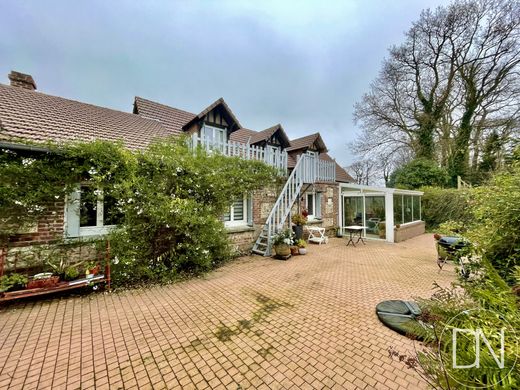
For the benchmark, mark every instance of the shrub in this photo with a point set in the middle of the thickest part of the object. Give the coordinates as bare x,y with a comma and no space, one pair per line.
496,214
418,173
440,205
173,208
171,199
484,302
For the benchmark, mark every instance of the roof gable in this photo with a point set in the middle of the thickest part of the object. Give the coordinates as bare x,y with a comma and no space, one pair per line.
309,141
234,124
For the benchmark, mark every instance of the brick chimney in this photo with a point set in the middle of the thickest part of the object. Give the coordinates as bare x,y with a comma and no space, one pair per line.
22,80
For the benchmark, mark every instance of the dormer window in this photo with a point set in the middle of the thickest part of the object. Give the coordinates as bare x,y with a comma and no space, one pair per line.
212,134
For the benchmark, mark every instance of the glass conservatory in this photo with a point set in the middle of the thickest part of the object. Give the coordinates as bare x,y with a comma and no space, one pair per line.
378,208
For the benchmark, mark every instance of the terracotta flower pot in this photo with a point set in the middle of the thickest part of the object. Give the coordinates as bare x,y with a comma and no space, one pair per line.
43,283
294,251
282,249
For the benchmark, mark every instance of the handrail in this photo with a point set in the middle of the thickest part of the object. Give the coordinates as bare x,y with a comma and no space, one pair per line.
308,170
288,196
275,158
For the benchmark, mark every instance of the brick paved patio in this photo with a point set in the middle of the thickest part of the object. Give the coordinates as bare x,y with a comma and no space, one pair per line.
255,323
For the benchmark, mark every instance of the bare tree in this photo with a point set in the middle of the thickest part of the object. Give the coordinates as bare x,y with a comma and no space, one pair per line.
488,59
447,87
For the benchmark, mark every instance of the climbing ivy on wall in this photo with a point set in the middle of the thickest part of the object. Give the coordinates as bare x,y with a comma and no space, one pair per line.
171,199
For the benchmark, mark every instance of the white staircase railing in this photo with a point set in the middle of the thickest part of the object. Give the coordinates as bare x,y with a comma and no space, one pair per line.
274,157
282,208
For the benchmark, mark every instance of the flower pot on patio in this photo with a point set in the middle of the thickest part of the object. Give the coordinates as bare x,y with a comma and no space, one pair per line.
282,249
298,231
303,251
294,250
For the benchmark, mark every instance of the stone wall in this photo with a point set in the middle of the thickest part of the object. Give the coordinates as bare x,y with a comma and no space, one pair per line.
329,206
243,238
409,230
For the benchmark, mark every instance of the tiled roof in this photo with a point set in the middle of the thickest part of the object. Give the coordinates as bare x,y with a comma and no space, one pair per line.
308,141
37,117
253,137
171,118
243,136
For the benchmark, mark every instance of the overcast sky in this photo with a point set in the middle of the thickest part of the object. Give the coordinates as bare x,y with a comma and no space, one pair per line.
299,63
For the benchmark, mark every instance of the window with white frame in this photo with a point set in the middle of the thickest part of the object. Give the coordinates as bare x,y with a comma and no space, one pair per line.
273,155
212,134
90,213
313,204
238,213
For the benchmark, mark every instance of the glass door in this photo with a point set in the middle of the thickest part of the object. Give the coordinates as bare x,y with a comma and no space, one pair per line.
375,216
352,211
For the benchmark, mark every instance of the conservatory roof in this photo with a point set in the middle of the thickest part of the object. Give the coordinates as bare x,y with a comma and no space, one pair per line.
386,190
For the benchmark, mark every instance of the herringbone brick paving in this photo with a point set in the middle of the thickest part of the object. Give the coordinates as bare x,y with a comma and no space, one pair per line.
308,323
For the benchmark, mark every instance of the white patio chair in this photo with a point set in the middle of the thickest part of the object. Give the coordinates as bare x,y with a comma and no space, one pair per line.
317,235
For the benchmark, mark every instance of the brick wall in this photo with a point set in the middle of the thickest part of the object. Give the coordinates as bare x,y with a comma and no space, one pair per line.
48,228
329,211
409,230
263,202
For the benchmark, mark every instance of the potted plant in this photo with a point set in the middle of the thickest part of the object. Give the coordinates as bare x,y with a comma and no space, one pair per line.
298,220
12,282
43,280
294,250
302,246
71,273
282,243
382,229
92,269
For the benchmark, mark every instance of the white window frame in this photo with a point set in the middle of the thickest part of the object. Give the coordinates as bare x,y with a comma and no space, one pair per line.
214,131
313,215
316,205
241,222
73,217
273,152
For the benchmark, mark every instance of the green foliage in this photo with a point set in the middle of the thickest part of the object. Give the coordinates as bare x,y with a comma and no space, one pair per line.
284,237
484,302
172,210
33,182
301,243
71,273
496,213
451,228
299,219
441,205
418,173
13,281
171,199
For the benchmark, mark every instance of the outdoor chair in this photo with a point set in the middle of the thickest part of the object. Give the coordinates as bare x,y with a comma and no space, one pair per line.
317,235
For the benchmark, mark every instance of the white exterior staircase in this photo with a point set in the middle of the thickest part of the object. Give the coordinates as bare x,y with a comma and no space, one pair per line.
306,171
